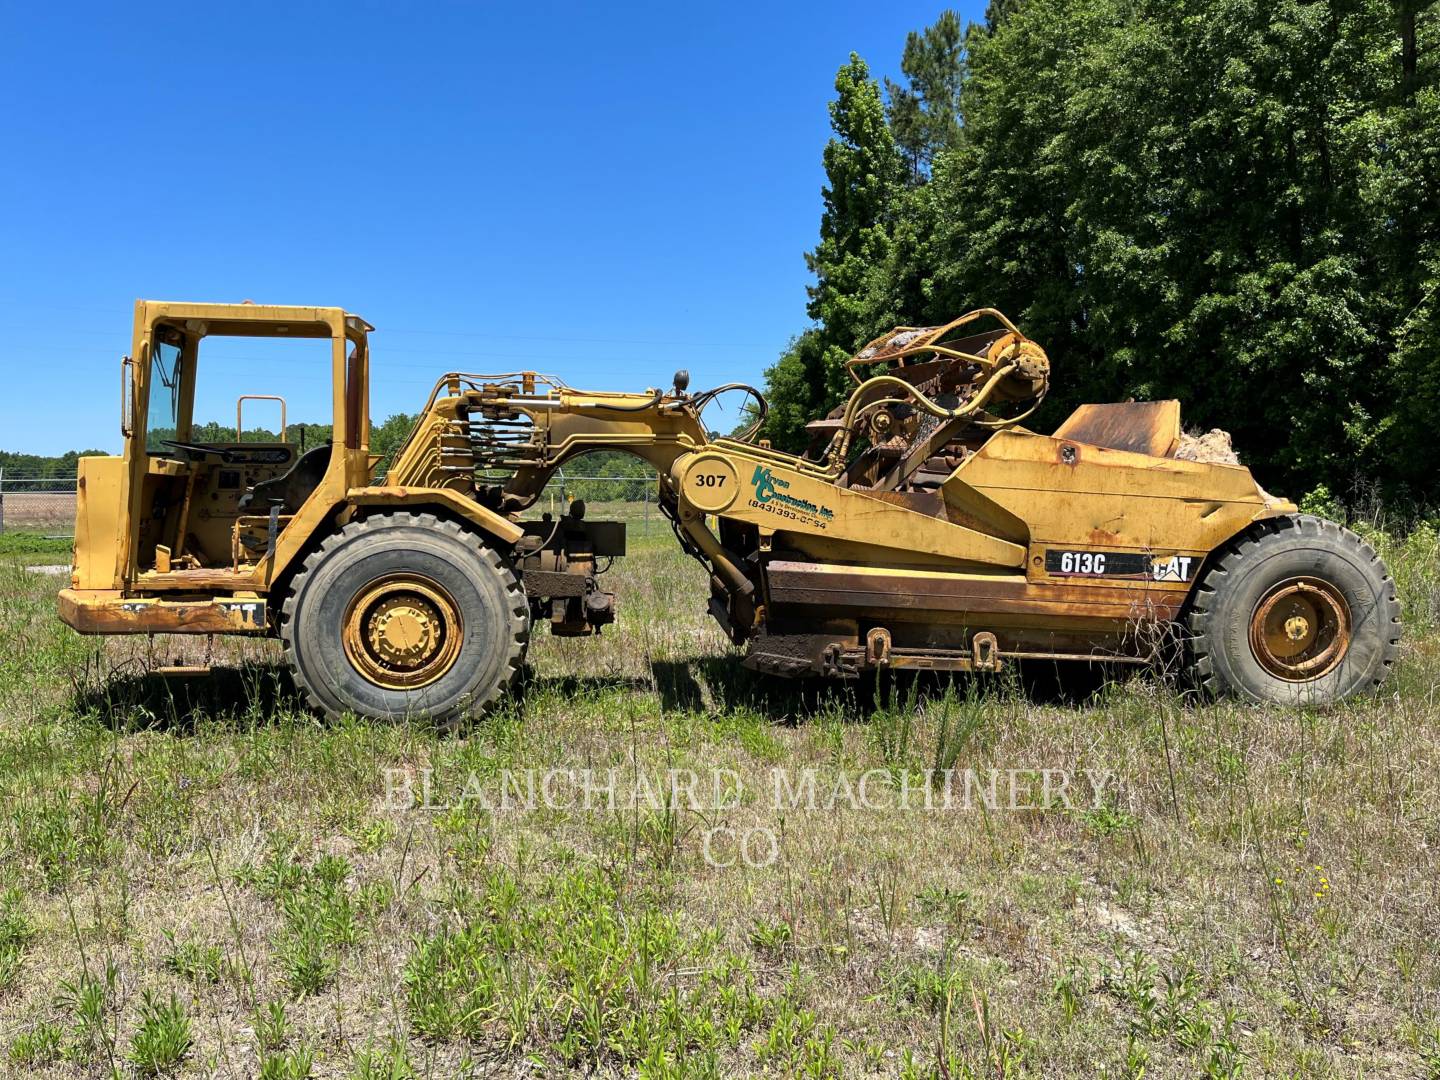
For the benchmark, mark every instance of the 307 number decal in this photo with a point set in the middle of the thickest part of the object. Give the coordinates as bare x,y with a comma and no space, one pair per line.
710,480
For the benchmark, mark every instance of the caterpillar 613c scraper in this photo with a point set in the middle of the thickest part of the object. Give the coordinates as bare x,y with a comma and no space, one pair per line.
924,529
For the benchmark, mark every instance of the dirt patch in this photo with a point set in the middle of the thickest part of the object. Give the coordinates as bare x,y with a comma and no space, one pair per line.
1211,448
30,509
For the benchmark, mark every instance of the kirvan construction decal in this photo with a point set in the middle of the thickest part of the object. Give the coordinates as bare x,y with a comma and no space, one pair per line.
771,496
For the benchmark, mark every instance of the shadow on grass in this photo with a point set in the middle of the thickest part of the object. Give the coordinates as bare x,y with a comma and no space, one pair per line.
1060,682
573,686
720,684
705,683
684,685
254,693
259,694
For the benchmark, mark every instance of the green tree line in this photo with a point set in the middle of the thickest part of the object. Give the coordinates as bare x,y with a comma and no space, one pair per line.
1231,202
385,439
19,466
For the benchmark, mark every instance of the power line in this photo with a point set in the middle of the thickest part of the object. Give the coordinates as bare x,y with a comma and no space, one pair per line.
471,333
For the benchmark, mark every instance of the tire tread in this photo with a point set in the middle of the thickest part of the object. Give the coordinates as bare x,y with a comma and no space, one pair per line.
1198,624
517,604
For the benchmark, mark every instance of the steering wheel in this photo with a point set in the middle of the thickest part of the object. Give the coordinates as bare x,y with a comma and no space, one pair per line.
256,454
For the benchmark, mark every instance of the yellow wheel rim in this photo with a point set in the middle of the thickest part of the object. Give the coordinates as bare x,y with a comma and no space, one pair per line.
403,631
1300,629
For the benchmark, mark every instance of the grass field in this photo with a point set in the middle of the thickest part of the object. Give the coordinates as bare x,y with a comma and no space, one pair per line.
199,877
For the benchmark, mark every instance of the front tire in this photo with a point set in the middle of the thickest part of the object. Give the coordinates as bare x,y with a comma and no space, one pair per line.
1297,610
405,615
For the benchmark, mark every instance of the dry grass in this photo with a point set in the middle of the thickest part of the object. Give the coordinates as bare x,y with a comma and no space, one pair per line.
1255,895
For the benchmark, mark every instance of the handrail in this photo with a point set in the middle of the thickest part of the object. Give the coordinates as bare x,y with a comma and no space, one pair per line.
127,397
239,402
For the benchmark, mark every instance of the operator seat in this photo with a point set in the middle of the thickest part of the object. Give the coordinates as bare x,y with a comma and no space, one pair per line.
291,488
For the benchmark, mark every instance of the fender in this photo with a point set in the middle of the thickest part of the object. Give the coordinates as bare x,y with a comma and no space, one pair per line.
487,520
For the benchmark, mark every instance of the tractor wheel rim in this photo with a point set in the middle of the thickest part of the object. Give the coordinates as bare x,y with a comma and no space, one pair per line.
1300,629
402,631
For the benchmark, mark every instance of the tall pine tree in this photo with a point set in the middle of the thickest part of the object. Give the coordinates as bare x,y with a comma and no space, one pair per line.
925,114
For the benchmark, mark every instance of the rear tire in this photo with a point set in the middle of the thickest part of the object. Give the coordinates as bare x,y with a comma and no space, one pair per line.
1296,610
405,615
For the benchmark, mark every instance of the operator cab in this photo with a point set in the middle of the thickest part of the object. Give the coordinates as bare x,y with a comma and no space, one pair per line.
200,500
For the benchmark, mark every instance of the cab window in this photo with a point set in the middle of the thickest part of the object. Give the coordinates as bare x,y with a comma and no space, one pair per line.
163,415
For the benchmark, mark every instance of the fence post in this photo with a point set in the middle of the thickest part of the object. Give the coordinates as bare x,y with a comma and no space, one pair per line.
647,510
2,499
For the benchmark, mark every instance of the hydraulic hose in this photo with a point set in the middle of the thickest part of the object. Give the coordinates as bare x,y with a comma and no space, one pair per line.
654,400
854,408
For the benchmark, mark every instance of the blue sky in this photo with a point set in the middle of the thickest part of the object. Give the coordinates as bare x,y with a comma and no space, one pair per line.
603,193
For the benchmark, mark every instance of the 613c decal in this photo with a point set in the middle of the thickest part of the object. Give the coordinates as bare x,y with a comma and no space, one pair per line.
1120,564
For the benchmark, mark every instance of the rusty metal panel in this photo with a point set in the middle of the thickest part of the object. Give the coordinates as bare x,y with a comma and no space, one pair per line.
553,583
204,579
1139,427
926,594
1077,496
105,611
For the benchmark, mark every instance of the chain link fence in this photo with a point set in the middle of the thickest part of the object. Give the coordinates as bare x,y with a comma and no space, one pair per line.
37,504
46,505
